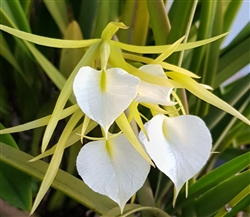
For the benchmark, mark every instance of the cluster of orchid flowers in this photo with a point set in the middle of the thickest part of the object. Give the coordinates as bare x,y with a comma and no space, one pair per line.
108,91
117,165
179,146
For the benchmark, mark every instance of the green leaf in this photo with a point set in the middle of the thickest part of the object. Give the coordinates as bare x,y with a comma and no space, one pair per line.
51,71
236,200
15,13
230,13
179,16
219,174
8,55
237,91
64,182
225,191
220,142
135,15
215,177
232,61
87,17
210,63
102,18
58,10
140,24
206,20
243,35
7,19
70,57
243,205
4,105
243,137
159,21
15,186
26,6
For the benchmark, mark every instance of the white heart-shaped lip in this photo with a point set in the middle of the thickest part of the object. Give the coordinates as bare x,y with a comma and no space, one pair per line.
113,168
104,95
151,93
179,146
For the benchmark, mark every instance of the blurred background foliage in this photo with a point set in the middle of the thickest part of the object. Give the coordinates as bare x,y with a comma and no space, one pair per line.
32,77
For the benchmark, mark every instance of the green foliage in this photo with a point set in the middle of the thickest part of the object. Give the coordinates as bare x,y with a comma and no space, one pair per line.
32,76
15,185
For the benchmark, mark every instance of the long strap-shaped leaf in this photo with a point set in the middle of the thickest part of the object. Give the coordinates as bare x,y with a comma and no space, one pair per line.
237,199
8,55
206,207
159,21
58,10
52,72
215,177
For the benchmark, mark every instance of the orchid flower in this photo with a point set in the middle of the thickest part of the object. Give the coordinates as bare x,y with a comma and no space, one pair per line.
104,95
179,146
152,93
113,167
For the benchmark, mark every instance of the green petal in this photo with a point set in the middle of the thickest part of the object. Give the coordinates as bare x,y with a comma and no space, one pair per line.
56,159
199,91
50,42
162,48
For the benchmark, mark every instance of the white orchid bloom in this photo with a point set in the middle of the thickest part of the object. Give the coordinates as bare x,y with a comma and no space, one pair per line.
151,93
113,168
180,146
104,95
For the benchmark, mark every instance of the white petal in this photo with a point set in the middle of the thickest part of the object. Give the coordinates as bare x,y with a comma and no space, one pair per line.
104,105
151,93
114,169
179,146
